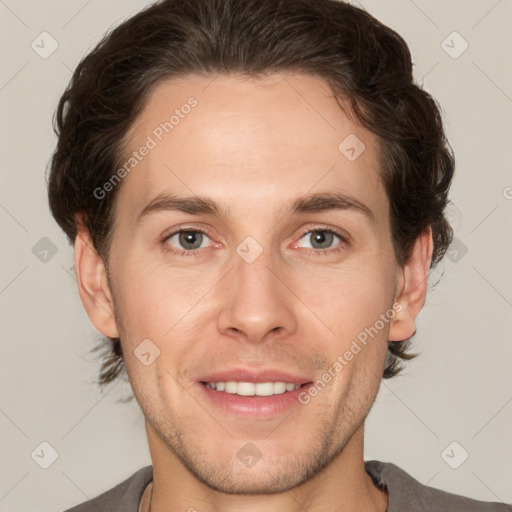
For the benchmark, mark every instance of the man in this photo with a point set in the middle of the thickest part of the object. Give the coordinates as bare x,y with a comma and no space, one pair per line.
255,191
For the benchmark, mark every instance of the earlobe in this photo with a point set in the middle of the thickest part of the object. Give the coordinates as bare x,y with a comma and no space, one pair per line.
91,276
412,288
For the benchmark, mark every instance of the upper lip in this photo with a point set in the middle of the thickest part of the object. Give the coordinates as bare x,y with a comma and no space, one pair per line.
246,375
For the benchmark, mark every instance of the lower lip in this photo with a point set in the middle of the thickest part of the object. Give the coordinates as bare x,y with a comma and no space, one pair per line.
254,406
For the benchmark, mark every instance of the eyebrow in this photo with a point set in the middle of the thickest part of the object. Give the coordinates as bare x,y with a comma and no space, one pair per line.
197,205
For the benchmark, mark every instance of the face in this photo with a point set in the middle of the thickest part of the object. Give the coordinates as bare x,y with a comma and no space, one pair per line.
276,263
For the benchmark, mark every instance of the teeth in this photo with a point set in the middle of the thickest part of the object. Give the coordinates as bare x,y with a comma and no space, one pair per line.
231,387
252,388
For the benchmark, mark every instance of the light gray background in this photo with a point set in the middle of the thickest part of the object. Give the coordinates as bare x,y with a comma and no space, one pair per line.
458,389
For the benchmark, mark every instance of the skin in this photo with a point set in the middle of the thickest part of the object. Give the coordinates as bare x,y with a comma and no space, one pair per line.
253,145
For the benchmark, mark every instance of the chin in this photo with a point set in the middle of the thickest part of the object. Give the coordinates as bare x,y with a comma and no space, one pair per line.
252,481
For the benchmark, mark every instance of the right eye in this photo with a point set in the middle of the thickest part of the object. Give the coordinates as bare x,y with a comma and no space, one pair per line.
186,241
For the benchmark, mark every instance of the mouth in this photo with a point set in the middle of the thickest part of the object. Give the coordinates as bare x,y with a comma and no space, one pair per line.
248,395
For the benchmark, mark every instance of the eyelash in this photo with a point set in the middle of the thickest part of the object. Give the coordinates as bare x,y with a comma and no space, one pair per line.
195,252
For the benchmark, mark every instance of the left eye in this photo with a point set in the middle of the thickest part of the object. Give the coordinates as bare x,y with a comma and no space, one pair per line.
321,238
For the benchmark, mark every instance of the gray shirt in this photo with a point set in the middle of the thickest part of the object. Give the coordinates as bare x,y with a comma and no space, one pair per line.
405,494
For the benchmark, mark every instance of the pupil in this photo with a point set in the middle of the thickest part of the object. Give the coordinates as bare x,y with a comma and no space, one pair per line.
188,237
321,237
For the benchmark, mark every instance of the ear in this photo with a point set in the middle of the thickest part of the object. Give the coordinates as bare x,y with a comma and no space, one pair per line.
412,288
91,276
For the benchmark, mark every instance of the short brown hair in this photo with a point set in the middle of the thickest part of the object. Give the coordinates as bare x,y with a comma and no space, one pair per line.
362,60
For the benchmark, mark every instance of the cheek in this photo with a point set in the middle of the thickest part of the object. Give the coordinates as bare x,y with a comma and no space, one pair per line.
350,298
356,303
152,300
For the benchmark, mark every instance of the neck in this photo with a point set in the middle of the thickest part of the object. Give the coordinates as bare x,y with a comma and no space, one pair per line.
342,485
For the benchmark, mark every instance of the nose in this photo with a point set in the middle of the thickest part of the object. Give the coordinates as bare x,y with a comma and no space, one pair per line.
257,301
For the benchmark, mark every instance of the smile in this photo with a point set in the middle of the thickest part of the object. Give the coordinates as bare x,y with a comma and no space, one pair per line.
253,388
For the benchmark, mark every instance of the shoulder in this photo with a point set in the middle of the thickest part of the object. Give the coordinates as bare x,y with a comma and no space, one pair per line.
123,497
406,493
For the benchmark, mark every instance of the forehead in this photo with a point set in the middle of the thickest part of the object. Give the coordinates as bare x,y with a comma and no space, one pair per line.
251,142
